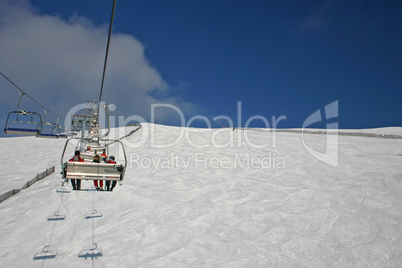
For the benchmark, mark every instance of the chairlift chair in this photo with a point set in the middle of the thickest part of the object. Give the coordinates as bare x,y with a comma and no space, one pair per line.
49,130
23,122
88,156
95,148
93,171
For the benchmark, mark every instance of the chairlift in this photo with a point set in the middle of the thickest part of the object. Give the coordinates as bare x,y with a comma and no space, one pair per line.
76,126
93,171
94,149
90,118
23,122
49,130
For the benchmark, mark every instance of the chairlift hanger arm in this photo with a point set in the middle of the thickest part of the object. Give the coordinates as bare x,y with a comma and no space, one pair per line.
19,100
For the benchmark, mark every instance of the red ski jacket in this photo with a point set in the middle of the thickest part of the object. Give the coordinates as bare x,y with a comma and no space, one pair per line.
76,158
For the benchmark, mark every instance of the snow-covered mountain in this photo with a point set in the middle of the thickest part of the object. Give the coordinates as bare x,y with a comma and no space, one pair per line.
211,198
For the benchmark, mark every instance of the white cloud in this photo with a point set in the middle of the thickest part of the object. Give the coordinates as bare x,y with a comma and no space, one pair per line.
60,62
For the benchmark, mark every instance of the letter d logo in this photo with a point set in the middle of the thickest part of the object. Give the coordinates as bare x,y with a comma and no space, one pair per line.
330,156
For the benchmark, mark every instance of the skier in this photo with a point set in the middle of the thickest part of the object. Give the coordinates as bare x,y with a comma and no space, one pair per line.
107,183
104,156
97,160
76,183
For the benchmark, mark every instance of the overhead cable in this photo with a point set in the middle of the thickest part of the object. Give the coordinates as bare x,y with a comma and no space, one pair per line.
106,56
47,110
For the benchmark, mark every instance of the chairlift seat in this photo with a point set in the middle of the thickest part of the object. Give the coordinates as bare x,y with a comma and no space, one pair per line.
45,135
22,131
25,122
94,171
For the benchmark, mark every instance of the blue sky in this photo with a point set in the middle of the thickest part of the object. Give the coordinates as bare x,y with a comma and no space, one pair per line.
279,58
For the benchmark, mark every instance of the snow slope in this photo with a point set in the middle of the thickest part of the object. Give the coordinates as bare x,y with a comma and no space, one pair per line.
211,200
